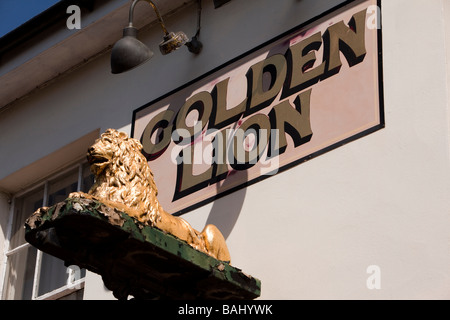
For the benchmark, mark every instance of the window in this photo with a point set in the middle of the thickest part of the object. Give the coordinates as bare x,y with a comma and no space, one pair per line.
32,274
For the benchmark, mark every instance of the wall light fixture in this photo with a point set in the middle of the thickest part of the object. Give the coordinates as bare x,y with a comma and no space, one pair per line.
129,52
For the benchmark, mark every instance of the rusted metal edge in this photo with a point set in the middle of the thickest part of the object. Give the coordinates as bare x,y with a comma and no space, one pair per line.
107,241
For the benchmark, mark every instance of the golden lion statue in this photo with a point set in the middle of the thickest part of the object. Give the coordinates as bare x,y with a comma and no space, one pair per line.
125,181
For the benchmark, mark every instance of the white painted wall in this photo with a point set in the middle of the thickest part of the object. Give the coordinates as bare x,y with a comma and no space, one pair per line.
312,231
382,200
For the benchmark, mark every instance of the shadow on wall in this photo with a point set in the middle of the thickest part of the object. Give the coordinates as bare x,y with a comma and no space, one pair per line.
226,210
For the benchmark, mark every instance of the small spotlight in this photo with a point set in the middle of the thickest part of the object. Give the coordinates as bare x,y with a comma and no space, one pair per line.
172,41
194,46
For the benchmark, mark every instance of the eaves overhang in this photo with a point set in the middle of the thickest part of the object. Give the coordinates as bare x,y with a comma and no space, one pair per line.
43,49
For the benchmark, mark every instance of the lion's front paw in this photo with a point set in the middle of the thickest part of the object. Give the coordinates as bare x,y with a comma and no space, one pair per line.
78,194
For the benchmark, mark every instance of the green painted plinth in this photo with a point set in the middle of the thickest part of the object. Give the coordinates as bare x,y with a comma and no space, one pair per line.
132,258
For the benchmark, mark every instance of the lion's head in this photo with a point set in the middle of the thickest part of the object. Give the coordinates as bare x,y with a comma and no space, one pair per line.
122,173
100,155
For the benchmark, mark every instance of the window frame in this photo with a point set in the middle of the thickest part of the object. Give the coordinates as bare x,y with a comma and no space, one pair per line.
72,285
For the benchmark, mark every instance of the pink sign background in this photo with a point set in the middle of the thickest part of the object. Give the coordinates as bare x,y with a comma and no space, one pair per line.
343,107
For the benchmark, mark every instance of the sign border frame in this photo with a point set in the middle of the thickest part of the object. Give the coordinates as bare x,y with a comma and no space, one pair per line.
292,164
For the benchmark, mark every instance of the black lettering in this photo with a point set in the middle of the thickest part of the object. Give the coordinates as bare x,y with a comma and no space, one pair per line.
202,102
300,60
260,97
220,115
350,40
163,123
243,159
187,182
293,121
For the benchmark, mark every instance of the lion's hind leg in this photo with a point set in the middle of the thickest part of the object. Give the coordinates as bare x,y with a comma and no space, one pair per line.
215,243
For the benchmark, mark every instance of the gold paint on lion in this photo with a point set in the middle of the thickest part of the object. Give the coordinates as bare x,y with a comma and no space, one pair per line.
124,181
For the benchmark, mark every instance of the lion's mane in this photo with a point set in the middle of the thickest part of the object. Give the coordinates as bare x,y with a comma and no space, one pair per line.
125,176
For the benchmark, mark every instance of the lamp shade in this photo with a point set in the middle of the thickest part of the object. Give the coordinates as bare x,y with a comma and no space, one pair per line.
129,52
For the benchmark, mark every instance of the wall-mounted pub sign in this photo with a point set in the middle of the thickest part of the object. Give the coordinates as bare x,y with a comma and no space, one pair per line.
304,93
